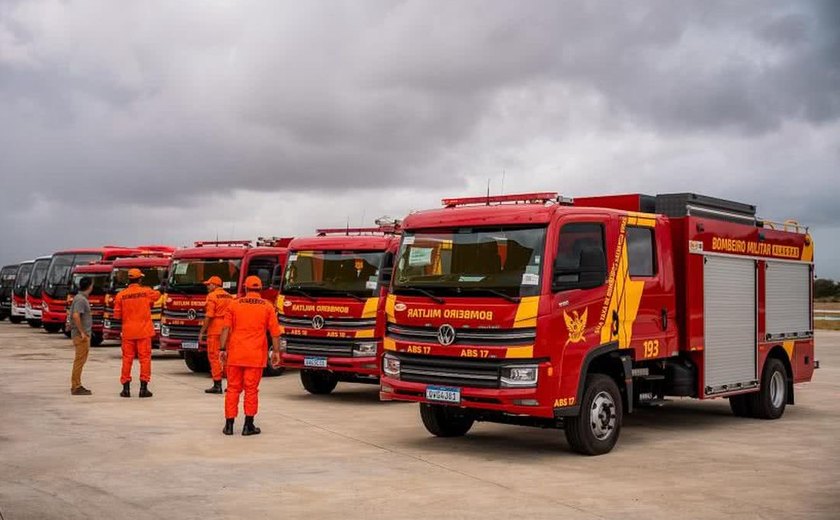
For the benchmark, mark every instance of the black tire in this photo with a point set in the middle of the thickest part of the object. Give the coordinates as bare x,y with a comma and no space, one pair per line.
741,405
16,319
318,382
590,435
35,324
197,362
445,421
96,339
66,332
770,401
2,317
52,328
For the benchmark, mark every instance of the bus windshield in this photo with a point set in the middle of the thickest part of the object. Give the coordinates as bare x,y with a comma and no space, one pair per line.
503,262
22,280
61,267
342,273
7,277
187,275
36,279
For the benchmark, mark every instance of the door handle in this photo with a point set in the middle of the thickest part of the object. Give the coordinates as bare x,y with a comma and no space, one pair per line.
664,319
615,323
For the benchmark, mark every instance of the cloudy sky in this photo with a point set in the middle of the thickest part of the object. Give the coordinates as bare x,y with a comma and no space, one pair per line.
168,122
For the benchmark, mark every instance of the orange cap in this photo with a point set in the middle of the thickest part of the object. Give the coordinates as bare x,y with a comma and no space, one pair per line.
253,282
215,280
135,274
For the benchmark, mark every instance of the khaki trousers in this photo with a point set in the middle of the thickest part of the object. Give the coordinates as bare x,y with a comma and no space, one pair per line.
82,349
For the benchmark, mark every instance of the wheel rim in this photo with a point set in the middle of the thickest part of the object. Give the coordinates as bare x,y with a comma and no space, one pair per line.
777,389
602,416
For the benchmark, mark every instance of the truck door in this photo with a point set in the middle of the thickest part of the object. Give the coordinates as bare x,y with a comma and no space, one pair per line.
650,282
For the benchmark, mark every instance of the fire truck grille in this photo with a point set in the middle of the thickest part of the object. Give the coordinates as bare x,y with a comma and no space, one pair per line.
465,336
184,332
450,371
329,323
183,315
97,309
304,346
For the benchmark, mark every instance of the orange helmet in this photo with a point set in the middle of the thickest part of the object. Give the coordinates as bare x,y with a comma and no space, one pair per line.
135,274
215,280
253,282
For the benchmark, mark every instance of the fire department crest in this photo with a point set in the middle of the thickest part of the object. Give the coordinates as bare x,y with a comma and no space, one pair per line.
576,325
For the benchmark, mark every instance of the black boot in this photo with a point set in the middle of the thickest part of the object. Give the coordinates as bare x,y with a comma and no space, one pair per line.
144,389
228,430
249,428
126,392
215,389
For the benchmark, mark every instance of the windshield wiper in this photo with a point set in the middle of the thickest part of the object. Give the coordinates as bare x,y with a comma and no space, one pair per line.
424,292
297,290
354,296
514,299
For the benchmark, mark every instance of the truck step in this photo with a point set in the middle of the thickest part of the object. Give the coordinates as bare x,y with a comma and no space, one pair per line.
649,399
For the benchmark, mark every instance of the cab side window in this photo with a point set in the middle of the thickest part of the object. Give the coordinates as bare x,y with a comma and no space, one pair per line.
575,239
640,251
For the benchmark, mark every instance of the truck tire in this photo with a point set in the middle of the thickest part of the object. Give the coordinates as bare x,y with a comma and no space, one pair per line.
770,401
35,324
445,421
318,382
96,339
2,317
197,362
16,319
595,431
741,405
52,328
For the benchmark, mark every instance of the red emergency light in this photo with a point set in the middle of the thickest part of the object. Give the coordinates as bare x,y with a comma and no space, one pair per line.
224,243
532,198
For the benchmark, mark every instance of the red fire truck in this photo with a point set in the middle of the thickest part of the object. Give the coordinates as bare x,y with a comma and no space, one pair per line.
19,291
35,292
58,276
538,310
332,304
155,269
99,273
186,294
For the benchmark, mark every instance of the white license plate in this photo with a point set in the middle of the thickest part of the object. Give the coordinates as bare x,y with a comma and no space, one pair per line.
318,362
189,345
445,394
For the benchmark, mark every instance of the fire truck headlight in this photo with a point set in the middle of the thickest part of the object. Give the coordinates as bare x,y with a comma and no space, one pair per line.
164,331
283,343
155,324
364,349
44,306
520,375
391,366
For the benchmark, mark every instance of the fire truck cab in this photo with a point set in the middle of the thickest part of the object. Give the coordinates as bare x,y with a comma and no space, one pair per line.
7,283
186,294
99,273
155,268
539,310
24,270
332,304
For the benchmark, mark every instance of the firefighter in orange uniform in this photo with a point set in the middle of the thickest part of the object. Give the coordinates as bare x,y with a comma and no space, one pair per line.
133,305
217,303
247,320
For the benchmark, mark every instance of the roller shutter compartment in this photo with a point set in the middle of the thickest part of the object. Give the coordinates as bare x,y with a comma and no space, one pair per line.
729,324
788,300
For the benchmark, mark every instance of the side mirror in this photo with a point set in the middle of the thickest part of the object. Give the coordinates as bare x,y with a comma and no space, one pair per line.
590,272
385,275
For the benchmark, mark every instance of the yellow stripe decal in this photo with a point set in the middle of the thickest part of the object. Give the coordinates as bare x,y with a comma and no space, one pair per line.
389,306
364,333
788,346
808,249
370,308
625,295
280,300
389,344
526,312
520,352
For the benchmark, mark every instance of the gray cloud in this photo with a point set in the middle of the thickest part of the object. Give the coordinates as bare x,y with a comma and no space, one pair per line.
146,112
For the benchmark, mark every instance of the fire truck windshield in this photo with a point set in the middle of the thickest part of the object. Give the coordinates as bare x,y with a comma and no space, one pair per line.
60,270
503,262
188,274
22,280
100,281
152,277
339,273
36,279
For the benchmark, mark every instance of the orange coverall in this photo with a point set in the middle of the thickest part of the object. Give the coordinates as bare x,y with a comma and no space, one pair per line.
248,318
133,306
217,305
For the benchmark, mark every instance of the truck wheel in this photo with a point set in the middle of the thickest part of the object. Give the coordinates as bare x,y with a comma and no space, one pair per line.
67,332
52,328
741,405
197,362
16,319
445,421
595,431
2,317
318,382
770,401
35,324
96,340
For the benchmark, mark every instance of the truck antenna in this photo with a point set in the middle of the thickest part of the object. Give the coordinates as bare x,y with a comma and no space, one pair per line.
488,191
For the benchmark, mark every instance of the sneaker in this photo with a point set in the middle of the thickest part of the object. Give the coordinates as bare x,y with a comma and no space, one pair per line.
80,391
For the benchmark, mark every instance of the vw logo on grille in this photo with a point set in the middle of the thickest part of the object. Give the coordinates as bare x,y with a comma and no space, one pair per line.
318,322
446,335
191,314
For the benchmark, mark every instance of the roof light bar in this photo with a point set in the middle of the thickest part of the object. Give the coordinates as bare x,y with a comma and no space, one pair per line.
528,198
384,229
224,243
273,241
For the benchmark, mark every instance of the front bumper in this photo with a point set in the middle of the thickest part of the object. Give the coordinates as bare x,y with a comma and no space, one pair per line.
363,366
177,344
51,316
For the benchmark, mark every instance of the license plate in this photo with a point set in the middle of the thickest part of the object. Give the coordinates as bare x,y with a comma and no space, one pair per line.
446,394
189,345
318,362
